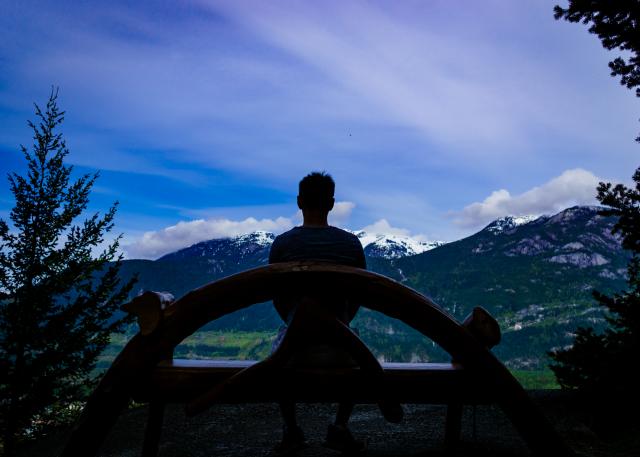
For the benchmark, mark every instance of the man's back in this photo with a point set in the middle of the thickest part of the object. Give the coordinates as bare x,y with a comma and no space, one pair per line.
329,244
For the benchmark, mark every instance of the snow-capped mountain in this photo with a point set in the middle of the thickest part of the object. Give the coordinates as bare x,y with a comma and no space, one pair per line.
535,276
238,249
393,246
259,238
257,244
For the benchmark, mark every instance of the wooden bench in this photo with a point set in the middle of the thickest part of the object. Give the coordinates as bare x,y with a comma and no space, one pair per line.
145,371
180,380
201,383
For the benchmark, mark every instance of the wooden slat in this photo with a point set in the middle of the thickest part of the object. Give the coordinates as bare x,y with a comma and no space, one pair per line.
196,365
180,381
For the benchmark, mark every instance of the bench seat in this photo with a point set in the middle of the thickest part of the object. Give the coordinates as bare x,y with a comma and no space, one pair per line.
180,381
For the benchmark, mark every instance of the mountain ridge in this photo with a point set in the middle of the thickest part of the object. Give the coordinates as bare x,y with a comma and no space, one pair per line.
535,276
374,244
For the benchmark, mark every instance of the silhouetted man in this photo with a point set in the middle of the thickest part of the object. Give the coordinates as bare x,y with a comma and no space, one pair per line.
315,239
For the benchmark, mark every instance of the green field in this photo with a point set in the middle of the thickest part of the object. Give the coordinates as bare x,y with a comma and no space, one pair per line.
239,345
213,344
536,379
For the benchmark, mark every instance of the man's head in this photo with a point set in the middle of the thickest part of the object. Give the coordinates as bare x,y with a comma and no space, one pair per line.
315,192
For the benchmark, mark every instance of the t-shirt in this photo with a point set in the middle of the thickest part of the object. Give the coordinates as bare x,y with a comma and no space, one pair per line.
329,244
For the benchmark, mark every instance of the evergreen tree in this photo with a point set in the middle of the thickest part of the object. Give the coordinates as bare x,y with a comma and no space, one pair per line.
604,365
617,24
57,299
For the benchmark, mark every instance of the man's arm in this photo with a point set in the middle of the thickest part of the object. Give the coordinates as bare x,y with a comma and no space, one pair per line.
274,252
360,262
282,306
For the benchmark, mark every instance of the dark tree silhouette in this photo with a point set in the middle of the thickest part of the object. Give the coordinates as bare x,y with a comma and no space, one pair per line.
617,24
57,299
603,365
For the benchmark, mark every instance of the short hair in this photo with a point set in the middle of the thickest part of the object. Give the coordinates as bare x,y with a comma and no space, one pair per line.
316,191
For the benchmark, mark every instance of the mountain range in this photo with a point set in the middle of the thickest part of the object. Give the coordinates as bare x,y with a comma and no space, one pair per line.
534,274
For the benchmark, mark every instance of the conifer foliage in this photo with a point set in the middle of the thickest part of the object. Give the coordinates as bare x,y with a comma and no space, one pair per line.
617,24
604,365
57,298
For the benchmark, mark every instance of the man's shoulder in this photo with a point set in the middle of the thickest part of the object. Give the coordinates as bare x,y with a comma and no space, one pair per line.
329,243
344,233
285,235
326,234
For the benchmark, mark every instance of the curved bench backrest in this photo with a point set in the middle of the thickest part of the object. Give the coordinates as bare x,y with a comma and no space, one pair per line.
214,300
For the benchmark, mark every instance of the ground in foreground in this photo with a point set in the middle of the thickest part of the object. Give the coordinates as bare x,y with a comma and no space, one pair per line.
253,430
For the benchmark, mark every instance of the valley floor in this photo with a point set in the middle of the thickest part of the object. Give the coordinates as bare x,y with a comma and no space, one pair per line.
252,430
256,345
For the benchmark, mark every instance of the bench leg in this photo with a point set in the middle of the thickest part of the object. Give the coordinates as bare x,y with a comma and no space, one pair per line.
475,424
153,430
453,425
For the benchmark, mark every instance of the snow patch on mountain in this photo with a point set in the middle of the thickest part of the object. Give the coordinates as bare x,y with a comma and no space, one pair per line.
506,223
389,246
260,237
393,246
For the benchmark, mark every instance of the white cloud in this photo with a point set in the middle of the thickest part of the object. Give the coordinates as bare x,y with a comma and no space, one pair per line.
572,187
288,82
338,216
382,227
380,56
341,212
185,233
157,243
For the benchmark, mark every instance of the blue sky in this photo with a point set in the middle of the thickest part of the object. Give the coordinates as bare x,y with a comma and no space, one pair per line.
434,117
